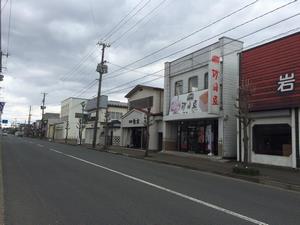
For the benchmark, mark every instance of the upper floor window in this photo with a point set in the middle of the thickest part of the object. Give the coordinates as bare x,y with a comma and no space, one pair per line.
206,80
115,115
193,84
179,87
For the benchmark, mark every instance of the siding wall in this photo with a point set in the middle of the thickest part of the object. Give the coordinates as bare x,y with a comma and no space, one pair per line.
262,66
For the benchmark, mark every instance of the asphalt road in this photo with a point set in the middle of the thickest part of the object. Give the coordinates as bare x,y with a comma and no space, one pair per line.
47,183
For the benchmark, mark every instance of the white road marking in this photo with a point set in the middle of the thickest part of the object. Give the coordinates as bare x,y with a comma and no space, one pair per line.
40,145
54,150
201,202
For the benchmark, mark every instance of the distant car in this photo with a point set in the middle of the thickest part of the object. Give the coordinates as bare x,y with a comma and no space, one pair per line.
4,134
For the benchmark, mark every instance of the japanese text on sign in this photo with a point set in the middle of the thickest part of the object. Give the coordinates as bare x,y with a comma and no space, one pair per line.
286,83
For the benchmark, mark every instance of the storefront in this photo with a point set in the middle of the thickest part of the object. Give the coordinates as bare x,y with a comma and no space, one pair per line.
272,74
199,104
199,136
144,102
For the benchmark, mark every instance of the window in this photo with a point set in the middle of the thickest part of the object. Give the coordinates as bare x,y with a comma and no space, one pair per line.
115,115
272,139
193,84
206,80
179,87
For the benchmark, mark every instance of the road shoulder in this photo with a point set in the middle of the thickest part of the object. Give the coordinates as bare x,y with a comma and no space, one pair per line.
1,185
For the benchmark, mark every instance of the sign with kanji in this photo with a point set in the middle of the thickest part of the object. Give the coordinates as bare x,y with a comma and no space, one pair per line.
286,83
214,74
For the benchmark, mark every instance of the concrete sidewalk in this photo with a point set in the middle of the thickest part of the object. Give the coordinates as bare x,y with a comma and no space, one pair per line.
281,177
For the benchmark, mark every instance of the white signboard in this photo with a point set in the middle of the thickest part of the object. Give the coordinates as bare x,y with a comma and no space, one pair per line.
214,82
192,102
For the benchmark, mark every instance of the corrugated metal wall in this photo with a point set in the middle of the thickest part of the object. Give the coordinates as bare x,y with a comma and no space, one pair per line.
262,67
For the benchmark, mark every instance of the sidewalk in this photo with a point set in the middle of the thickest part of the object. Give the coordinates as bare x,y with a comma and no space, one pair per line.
281,177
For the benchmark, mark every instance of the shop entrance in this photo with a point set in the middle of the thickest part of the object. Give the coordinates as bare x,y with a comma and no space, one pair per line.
138,137
199,136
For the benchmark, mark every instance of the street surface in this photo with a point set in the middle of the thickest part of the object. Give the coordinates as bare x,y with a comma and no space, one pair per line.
48,183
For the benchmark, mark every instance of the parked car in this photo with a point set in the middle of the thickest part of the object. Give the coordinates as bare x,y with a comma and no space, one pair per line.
4,134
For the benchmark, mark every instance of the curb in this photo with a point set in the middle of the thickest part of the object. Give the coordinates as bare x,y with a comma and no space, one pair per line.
1,187
253,179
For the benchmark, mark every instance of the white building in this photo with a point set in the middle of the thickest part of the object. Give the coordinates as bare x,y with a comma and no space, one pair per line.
114,111
134,122
200,94
71,109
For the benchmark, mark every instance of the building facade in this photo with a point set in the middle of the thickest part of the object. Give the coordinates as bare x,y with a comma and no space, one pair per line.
49,120
141,99
272,74
110,114
71,109
200,90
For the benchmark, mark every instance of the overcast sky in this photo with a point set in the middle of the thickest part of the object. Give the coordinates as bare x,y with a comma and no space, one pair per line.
49,39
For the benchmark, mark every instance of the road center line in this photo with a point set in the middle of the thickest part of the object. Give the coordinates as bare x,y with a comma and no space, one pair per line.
207,204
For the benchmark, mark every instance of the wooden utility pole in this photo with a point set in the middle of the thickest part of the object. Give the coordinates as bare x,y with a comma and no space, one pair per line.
106,129
43,107
101,69
1,54
29,116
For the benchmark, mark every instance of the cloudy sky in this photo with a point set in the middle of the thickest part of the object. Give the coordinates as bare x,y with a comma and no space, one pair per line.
52,44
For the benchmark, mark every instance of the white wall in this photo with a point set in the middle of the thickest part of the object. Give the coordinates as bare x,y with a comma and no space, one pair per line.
271,117
197,64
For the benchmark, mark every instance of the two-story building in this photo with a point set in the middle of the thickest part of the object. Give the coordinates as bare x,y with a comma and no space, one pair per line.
200,90
272,74
71,109
141,99
110,113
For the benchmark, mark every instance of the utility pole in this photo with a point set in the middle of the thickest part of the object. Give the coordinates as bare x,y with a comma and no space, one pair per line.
43,107
29,114
1,53
101,69
106,129
1,75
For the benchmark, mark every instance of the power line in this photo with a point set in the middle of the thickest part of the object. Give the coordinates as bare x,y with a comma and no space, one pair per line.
139,21
193,33
142,25
85,58
205,40
129,69
8,33
110,33
85,89
109,91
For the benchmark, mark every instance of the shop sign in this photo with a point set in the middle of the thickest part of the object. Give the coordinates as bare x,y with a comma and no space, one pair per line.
214,82
286,83
192,102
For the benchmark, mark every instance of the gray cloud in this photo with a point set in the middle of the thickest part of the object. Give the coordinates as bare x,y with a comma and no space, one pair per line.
48,38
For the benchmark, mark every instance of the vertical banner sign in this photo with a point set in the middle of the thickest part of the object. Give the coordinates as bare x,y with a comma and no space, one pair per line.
214,74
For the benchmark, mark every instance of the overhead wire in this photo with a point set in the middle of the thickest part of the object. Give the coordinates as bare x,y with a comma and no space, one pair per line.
90,53
138,22
207,39
191,34
109,91
119,24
